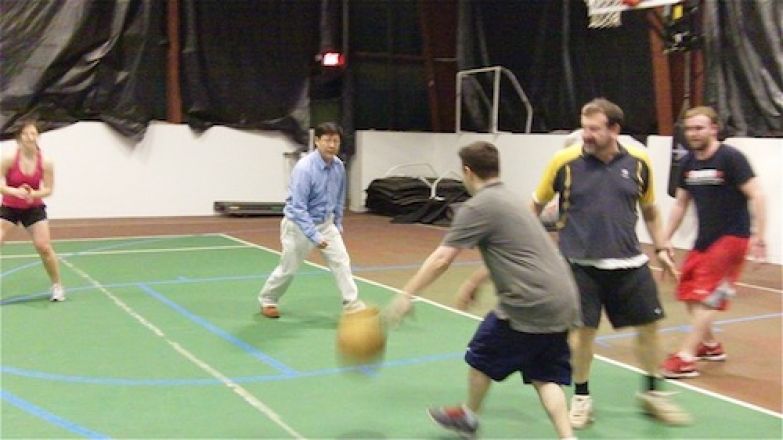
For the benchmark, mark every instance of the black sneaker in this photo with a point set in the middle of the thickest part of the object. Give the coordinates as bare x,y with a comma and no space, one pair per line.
457,419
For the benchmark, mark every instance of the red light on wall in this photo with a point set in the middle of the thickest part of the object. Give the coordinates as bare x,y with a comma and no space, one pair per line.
332,59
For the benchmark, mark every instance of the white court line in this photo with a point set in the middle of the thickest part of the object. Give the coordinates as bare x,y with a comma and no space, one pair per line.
225,380
129,238
128,251
479,318
682,384
219,234
175,221
753,286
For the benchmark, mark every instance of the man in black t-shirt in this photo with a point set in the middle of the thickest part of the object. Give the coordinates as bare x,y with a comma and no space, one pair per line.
721,182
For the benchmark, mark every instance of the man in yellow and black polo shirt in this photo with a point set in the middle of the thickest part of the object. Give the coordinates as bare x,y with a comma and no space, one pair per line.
600,184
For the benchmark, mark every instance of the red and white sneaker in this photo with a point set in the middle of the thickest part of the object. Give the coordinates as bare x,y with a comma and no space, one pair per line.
713,353
456,418
675,367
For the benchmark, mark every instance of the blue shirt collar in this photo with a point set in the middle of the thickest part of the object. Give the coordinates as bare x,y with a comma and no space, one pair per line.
321,162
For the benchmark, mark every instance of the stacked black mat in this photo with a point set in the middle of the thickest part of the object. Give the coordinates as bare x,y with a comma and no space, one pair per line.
408,199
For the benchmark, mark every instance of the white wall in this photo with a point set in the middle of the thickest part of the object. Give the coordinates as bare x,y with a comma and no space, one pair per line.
523,158
172,172
176,172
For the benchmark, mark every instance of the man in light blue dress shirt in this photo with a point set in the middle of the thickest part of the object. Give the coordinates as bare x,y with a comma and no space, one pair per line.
313,219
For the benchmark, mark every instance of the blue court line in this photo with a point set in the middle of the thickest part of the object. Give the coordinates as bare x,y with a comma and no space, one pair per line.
686,328
212,328
120,381
145,286
50,417
19,268
179,280
182,280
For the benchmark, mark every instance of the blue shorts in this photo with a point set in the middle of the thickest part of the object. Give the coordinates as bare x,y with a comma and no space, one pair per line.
497,351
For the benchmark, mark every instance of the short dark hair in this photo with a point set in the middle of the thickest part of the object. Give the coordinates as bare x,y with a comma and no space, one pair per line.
614,114
482,158
328,128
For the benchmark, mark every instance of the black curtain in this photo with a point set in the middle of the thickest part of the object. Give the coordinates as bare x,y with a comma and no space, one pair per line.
558,60
744,65
246,63
64,61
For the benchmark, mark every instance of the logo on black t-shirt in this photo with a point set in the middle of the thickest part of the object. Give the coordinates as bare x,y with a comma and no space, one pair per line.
704,177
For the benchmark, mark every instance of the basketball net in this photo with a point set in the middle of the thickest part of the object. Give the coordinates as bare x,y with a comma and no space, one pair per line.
605,20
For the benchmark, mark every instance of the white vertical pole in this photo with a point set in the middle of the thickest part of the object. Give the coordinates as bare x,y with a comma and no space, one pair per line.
495,100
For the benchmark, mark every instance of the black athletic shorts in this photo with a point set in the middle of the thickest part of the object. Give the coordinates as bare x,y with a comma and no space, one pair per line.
26,217
629,296
497,350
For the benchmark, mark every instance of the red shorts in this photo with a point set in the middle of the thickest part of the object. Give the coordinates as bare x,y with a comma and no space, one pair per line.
708,276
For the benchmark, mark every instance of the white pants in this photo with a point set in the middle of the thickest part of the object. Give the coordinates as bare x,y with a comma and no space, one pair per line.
296,246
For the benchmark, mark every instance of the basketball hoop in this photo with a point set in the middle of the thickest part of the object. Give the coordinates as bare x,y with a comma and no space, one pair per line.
604,20
605,14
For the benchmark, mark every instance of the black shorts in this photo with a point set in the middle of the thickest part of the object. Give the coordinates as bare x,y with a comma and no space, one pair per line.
27,217
497,350
629,296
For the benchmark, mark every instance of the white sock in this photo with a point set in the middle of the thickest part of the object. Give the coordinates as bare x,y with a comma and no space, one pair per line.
469,413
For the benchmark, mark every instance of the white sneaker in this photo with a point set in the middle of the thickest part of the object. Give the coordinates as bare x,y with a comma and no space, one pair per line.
353,306
58,293
581,413
659,405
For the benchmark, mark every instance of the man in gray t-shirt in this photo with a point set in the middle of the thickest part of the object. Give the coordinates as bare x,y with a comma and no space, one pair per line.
523,263
537,297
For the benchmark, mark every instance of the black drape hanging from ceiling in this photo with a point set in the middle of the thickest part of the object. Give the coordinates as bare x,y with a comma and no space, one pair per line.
65,61
558,60
246,63
743,45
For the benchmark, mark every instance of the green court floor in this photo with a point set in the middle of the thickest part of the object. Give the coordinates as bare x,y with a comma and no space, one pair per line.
161,338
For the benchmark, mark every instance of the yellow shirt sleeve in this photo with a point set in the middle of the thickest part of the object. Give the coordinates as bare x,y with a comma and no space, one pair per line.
545,190
647,197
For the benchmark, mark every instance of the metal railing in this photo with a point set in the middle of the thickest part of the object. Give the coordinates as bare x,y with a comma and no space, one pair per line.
433,186
497,70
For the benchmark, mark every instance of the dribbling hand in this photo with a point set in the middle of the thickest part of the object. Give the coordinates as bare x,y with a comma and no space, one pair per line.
400,306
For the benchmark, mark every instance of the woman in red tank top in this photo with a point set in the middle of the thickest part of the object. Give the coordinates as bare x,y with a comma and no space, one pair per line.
26,178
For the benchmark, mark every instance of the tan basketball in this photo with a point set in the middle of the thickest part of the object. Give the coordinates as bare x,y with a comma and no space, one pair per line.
361,338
